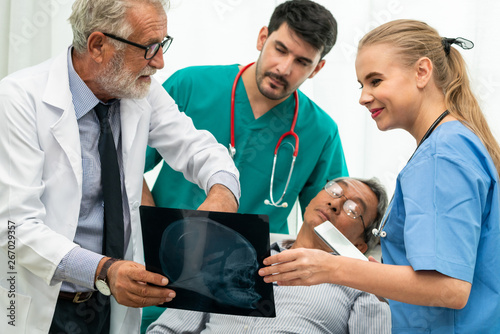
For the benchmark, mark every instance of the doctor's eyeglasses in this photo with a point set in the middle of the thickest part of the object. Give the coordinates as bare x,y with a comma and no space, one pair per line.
151,50
350,207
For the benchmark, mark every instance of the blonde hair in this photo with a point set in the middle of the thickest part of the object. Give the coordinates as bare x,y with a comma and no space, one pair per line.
416,39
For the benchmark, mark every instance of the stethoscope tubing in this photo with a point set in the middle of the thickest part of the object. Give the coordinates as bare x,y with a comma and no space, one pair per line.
232,146
291,132
379,232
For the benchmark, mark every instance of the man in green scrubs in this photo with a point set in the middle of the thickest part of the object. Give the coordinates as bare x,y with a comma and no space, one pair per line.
300,33
264,109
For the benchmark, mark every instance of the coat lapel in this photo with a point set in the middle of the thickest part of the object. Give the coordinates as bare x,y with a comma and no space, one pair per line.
130,114
65,127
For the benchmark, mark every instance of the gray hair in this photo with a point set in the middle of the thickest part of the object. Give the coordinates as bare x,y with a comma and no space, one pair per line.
109,16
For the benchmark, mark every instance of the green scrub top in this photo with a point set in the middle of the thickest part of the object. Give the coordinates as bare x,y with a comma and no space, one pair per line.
204,94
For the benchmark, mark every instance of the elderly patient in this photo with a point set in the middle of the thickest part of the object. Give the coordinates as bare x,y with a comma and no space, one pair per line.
354,206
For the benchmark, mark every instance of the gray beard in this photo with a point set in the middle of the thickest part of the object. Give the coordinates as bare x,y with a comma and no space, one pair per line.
120,82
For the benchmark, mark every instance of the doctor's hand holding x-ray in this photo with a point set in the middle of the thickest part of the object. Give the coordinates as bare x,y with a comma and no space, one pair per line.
218,199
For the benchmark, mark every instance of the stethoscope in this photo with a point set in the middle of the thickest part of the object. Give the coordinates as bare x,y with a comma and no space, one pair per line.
232,149
379,232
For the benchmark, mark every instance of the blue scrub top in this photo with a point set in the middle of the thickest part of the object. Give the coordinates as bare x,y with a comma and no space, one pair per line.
204,94
445,217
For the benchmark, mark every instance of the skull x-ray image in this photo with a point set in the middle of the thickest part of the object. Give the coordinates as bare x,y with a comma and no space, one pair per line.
201,255
210,258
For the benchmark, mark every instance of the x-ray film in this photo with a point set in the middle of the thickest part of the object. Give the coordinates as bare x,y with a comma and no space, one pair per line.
210,258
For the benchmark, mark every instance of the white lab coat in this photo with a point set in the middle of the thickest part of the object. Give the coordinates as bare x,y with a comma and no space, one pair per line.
41,184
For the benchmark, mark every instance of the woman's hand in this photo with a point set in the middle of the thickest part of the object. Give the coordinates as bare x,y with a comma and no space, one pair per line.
301,266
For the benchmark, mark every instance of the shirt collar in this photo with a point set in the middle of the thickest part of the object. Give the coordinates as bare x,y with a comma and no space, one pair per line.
83,98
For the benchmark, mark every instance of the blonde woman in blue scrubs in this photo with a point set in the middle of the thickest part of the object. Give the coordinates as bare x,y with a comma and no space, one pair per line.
441,234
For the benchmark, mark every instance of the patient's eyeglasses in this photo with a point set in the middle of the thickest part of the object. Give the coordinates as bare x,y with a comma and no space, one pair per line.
350,207
151,50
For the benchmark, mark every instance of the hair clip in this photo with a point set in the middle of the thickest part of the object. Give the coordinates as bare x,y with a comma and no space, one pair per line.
460,41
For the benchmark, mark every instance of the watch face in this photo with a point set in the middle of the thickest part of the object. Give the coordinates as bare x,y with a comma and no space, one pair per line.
103,287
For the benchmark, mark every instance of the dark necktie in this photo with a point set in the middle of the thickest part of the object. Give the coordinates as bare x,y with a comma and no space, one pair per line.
113,243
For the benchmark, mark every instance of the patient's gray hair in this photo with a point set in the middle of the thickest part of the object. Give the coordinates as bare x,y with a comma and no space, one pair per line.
379,191
106,16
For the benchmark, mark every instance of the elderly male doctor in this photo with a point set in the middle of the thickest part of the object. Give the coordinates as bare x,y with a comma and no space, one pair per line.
54,209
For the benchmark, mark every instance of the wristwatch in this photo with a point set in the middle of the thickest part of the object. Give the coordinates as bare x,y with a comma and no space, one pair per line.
101,282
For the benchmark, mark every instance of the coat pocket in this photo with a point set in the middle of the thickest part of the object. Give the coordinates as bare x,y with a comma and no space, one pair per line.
14,306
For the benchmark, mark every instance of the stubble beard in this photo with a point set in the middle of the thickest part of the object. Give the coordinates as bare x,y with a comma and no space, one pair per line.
259,77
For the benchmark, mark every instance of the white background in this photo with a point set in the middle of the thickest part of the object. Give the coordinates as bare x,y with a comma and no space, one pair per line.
225,32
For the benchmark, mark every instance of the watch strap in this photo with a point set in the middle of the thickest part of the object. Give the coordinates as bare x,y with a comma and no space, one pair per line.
103,274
